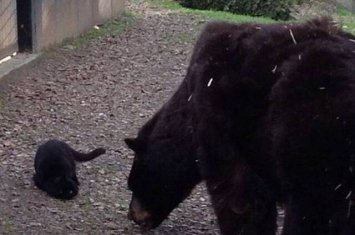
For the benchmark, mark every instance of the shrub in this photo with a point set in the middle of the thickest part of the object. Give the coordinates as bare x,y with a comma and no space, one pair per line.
275,9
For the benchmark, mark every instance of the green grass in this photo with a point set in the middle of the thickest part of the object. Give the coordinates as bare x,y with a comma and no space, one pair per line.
86,206
347,20
343,12
177,37
112,27
8,227
349,27
213,15
2,101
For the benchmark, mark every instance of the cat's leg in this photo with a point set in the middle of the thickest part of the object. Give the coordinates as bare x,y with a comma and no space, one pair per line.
75,179
37,180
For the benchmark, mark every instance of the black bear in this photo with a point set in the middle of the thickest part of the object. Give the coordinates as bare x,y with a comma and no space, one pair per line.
265,115
56,169
164,142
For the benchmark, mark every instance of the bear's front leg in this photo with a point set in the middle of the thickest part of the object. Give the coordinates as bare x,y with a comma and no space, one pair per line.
242,201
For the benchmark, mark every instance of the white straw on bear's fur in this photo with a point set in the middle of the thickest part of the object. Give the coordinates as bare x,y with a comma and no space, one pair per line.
274,70
349,207
293,37
347,197
352,40
189,98
337,187
210,82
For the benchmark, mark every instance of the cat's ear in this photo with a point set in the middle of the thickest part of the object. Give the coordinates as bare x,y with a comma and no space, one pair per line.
135,144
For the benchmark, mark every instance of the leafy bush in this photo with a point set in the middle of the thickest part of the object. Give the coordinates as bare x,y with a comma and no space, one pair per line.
275,9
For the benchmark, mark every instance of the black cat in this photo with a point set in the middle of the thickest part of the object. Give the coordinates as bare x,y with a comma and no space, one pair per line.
56,169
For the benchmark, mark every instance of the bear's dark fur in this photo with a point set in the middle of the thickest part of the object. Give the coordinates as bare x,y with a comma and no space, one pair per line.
164,143
271,113
56,169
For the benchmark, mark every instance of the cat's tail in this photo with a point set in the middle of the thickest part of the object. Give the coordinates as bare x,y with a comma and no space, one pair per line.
84,157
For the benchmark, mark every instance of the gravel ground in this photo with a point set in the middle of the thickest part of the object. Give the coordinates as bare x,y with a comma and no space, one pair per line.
94,97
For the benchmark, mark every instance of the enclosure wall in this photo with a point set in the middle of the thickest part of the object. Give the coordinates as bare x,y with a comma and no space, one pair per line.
56,20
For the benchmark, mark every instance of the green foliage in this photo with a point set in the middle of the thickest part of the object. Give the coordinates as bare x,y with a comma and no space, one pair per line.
343,12
211,15
275,9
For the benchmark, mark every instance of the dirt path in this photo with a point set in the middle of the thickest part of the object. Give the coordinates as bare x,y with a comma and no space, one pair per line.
92,97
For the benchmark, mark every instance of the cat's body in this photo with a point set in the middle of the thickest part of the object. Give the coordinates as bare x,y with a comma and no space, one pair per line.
56,168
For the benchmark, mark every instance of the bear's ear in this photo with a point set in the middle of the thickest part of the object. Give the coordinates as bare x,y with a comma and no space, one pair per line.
135,144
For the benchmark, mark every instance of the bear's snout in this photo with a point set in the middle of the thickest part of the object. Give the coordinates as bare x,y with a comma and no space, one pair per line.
139,215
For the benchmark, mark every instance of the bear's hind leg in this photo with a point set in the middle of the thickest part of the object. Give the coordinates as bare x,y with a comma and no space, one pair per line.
304,216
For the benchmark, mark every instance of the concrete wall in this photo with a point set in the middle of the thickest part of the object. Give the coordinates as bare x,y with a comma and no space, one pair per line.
56,20
348,4
8,28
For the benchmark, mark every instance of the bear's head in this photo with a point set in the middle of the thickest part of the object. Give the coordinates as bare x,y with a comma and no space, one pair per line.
163,174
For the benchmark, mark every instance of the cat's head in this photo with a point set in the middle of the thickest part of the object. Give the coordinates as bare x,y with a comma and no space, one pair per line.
64,188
